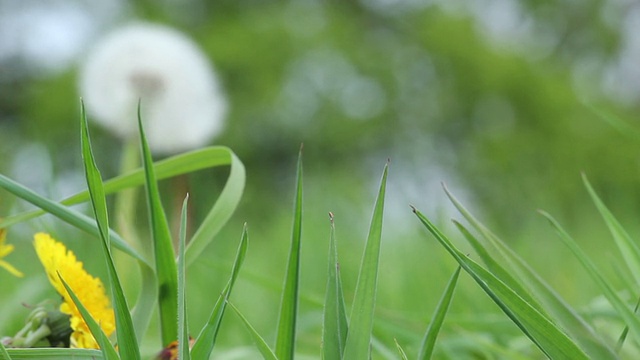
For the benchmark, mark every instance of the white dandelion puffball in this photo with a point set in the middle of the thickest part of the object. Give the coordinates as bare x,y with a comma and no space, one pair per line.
181,104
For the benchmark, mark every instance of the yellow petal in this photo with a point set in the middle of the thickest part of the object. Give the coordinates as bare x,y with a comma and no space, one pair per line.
5,265
56,259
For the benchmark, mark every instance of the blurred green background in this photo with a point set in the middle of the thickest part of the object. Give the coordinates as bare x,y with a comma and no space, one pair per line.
495,98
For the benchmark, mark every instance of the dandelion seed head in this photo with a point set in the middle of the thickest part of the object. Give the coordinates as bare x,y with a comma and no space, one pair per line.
182,105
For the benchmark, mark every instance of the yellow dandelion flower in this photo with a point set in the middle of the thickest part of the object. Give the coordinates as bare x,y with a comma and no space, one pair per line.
4,251
55,258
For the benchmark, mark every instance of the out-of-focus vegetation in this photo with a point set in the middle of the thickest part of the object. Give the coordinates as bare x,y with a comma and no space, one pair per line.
491,94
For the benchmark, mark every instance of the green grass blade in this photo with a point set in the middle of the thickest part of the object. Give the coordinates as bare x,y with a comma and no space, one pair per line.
517,274
429,341
549,338
183,325
145,305
629,249
221,211
4,355
176,165
107,349
621,307
358,345
127,340
55,354
286,337
401,352
334,329
262,346
166,271
65,214
206,339
625,331
94,180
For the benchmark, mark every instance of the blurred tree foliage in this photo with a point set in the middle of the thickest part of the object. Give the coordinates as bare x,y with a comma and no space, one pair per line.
418,82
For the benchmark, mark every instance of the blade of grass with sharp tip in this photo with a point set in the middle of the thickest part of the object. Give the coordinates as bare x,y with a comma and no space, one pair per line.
94,180
55,354
429,341
517,274
183,325
166,271
621,307
107,349
334,329
549,338
629,249
206,339
176,165
401,352
262,346
127,340
4,355
285,340
358,345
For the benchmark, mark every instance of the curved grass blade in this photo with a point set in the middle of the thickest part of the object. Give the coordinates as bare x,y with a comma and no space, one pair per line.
549,338
176,165
629,249
206,339
517,274
221,211
107,349
183,326
621,307
262,346
358,343
54,354
127,340
285,340
429,341
335,328
166,271
67,215
401,352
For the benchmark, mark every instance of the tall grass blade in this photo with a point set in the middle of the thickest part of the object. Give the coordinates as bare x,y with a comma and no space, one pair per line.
127,340
358,345
286,336
206,339
55,354
621,307
549,338
334,329
629,249
262,346
166,271
107,349
429,341
183,325
516,273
